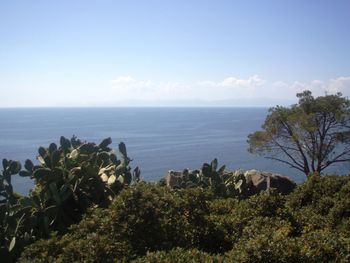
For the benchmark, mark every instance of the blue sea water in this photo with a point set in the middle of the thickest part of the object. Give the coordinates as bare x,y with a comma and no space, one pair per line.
157,139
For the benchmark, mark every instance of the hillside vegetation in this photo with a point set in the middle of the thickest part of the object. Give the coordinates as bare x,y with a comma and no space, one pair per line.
148,223
88,206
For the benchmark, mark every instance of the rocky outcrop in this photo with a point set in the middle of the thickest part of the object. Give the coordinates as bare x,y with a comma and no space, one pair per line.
258,180
266,180
173,179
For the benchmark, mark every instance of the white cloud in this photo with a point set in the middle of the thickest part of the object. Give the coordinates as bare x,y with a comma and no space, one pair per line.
251,82
341,84
129,88
127,82
253,88
318,87
233,82
126,87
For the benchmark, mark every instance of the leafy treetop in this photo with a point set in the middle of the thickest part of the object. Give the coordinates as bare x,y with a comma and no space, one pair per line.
308,136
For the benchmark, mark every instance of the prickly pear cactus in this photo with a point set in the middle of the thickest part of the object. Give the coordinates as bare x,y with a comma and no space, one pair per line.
225,184
69,178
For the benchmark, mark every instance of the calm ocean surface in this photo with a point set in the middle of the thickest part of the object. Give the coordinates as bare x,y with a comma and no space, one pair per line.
157,139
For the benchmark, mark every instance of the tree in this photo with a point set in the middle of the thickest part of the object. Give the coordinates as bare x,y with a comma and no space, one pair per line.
308,136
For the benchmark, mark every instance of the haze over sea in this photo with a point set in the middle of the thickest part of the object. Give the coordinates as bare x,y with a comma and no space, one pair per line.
157,139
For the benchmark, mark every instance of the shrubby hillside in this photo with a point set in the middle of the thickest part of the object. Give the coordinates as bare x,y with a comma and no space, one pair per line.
149,223
87,205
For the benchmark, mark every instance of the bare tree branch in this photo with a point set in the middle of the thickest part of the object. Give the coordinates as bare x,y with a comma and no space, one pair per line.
286,162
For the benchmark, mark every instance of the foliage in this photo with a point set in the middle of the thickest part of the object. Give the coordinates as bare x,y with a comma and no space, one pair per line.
222,183
149,223
144,218
10,217
86,206
70,179
308,136
178,255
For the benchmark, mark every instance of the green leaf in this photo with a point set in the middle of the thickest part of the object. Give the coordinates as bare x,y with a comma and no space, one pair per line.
55,157
47,160
41,173
214,165
4,163
12,244
120,169
29,165
46,224
50,209
14,167
54,193
128,178
105,143
222,169
103,156
122,150
136,174
42,151
206,170
26,201
65,193
52,147
73,173
65,143
87,148
113,158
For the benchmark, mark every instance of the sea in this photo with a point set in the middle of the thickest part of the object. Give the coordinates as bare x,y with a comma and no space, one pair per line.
157,139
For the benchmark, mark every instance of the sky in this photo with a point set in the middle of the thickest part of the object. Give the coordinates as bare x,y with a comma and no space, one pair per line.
81,53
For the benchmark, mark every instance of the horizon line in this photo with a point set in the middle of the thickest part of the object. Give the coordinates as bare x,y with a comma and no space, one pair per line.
131,106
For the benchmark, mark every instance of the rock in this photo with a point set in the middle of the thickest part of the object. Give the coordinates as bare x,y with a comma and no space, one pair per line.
173,179
259,181
266,180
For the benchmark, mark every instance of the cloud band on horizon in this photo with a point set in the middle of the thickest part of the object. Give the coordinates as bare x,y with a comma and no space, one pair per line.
230,88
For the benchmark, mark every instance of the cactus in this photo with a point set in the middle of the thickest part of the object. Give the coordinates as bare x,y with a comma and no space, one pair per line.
65,143
104,144
10,168
136,176
11,216
70,178
224,184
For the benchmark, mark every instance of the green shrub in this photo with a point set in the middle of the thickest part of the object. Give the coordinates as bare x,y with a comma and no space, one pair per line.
145,218
150,223
321,203
324,246
265,247
317,188
272,240
179,255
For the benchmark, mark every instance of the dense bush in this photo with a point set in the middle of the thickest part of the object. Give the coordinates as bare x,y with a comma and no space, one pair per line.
149,223
144,218
86,207
179,255
322,203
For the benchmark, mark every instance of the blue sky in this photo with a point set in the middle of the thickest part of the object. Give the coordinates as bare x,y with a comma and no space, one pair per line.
177,53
